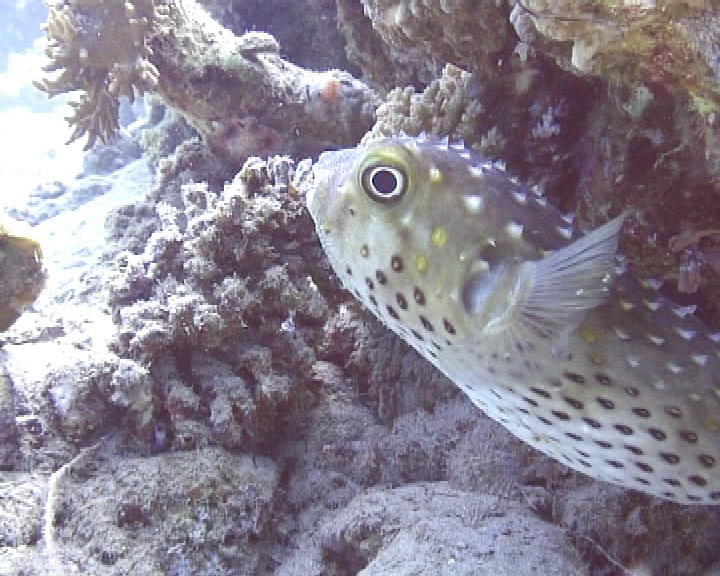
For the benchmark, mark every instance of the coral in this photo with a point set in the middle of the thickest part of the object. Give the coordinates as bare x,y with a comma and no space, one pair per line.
236,91
244,99
628,42
445,107
102,50
408,41
215,278
21,270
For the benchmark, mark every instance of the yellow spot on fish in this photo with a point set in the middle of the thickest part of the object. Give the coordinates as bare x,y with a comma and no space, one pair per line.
436,176
596,358
712,424
421,263
439,236
588,334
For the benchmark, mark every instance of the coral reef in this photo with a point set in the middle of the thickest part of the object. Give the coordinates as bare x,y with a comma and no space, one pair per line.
21,270
249,417
236,91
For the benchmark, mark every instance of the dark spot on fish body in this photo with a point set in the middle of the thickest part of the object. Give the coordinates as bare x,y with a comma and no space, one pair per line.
574,403
419,296
541,392
603,379
574,377
623,429
397,264
633,449
641,412
449,328
592,423
672,482
670,458
401,301
426,324
688,436
706,460
605,403
603,444
380,277
644,467
657,434
673,411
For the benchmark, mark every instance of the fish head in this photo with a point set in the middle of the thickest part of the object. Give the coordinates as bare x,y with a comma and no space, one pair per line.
407,219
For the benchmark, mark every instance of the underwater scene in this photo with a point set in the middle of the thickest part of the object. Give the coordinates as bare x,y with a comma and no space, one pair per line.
375,287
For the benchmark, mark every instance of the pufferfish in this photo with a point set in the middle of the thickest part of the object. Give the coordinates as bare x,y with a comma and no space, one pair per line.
542,328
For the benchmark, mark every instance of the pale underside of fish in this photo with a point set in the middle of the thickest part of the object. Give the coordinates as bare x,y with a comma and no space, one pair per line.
542,328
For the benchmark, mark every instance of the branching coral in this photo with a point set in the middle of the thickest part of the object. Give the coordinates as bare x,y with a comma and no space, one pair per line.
100,49
445,107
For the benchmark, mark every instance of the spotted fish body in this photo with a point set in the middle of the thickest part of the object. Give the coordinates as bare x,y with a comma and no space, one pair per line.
541,328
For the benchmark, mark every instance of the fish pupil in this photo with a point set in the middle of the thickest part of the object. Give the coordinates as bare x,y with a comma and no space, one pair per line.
384,182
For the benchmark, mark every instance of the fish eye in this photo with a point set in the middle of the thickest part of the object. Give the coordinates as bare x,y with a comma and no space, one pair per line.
385,184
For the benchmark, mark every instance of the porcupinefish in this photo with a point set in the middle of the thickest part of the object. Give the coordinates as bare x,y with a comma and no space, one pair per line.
538,325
